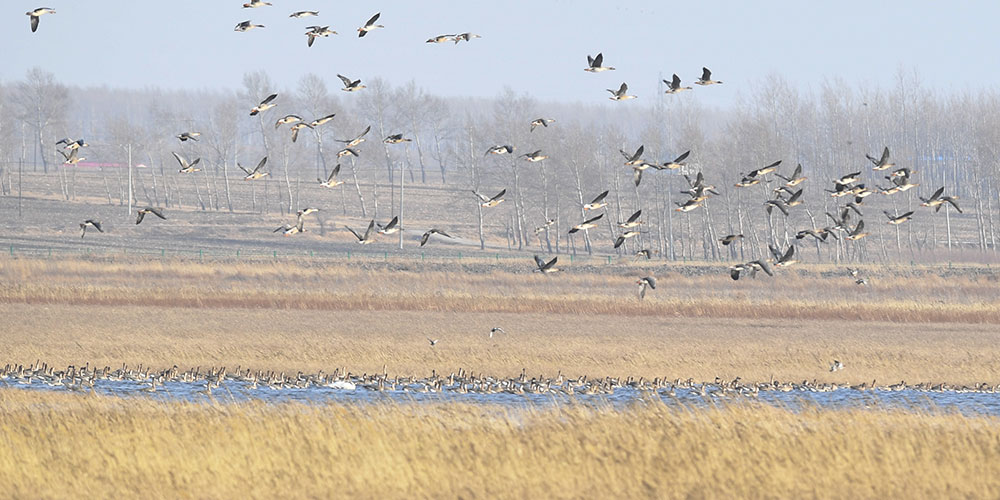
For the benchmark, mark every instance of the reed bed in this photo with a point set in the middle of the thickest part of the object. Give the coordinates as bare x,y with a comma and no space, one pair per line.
58,445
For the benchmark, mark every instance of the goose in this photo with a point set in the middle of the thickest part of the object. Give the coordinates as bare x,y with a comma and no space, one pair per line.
254,174
466,37
289,230
247,26
35,14
347,152
149,210
540,122
350,86
350,143
764,170
706,78
297,127
304,13
316,32
819,234
285,120
796,177
857,233
594,64
370,25
543,227
331,180
189,136
882,163
264,105
490,202
632,221
499,150
783,260
750,267
634,158
729,239
71,157
390,228
187,168
839,190
677,162
901,172
621,94
535,156
92,223
545,267
426,236
597,202
848,179
587,224
951,200
836,366
795,199
396,139
626,235
441,39
674,85
776,203
368,237
687,206
71,144
321,121
841,221
747,181
496,330
645,282
433,342
898,219
647,253
253,4
698,194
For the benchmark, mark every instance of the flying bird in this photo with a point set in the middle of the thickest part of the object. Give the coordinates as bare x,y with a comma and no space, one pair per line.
304,13
331,180
91,223
706,78
186,167
357,140
621,94
368,237
35,14
264,105
149,210
594,64
674,85
882,163
189,136
247,26
349,85
490,202
646,282
587,224
370,25
499,150
597,202
317,32
545,267
255,3
426,236
254,174
540,122
390,228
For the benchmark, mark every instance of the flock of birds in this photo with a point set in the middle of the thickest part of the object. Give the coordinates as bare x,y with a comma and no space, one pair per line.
143,379
786,196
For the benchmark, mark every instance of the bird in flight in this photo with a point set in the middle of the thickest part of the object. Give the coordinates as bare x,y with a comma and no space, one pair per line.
595,64
247,26
621,94
370,25
331,181
187,167
491,202
368,237
646,282
149,210
426,236
35,14
91,223
546,267
264,105
351,85
254,174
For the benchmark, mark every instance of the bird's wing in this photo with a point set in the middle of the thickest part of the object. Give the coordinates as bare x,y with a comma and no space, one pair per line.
682,157
600,197
180,159
355,233
269,98
635,216
347,82
498,196
373,19
598,60
139,218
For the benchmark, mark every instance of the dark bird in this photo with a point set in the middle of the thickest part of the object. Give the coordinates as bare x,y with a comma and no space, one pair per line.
426,236
149,210
189,136
92,223
728,239
594,64
646,282
706,78
540,122
499,150
368,237
545,267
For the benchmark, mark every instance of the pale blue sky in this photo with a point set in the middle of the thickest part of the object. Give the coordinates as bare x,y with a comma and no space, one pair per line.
536,47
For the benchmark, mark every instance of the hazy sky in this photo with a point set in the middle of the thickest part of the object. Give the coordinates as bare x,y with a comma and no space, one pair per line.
538,47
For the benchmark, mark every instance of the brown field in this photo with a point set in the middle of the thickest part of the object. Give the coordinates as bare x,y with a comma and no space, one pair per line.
58,445
910,324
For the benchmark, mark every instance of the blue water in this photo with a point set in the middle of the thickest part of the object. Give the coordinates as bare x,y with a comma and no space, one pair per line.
968,403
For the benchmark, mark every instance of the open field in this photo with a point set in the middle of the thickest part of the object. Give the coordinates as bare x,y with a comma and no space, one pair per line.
283,315
59,444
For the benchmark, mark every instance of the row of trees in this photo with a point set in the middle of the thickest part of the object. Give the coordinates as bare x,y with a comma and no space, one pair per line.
947,140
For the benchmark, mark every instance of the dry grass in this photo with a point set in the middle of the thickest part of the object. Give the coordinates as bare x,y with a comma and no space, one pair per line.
287,316
57,445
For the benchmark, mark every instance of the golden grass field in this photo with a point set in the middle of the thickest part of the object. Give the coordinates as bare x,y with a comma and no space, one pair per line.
58,445
913,324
